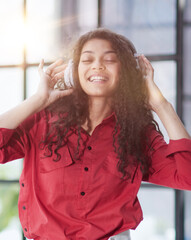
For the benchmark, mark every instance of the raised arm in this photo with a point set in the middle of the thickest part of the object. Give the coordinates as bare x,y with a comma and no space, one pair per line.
45,95
160,105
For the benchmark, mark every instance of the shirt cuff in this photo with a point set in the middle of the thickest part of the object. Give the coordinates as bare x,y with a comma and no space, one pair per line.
180,145
5,135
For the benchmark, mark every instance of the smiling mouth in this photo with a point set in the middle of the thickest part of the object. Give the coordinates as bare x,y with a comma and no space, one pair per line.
97,79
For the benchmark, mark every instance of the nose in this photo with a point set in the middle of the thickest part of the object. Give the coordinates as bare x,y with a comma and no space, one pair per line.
98,66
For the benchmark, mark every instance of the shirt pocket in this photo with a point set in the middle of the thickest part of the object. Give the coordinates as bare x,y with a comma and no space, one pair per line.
114,181
52,173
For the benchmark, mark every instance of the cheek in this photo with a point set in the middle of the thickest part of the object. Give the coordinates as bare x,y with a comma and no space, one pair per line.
81,77
116,73
81,71
80,74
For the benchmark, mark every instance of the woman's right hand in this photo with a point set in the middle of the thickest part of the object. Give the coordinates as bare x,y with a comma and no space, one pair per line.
46,91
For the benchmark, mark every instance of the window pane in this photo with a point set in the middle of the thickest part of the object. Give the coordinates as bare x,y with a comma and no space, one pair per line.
87,15
11,90
149,24
42,36
165,78
187,78
9,222
11,29
11,170
32,81
187,61
10,95
187,10
187,215
187,114
158,212
78,16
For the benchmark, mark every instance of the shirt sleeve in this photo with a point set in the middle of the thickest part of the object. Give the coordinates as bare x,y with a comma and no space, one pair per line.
14,142
11,144
170,163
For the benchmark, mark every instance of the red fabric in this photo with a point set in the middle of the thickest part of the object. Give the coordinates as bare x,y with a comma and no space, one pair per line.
85,199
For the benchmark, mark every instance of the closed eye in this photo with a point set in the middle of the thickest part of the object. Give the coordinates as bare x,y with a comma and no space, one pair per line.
86,60
110,60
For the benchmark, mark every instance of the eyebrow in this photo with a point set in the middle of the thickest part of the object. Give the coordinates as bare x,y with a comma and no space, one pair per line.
107,52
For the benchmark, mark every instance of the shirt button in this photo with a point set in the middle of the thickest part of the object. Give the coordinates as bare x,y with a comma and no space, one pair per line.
89,148
86,168
22,184
24,208
82,193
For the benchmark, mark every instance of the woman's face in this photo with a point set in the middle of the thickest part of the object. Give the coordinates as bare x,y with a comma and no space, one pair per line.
98,68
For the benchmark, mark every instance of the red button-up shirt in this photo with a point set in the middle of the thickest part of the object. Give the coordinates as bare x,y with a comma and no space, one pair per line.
85,199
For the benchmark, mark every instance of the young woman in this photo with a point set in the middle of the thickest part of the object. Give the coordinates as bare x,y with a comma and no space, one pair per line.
87,148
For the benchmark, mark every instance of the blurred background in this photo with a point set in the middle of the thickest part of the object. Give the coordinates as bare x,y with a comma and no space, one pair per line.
160,29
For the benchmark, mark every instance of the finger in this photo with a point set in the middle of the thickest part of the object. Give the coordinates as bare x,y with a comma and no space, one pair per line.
41,64
53,82
40,67
146,61
63,93
58,76
142,64
53,65
148,65
146,68
58,70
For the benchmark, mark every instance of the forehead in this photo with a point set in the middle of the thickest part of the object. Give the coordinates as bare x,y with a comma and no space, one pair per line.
97,45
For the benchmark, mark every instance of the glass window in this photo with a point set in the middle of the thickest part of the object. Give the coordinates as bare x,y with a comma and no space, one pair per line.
78,16
42,26
10,227
187,10
187,114
87,15
165,78
11,90
11,29
187,215
187,77
158,213
187,61
32,81
149,24
11,93
11,170
49,25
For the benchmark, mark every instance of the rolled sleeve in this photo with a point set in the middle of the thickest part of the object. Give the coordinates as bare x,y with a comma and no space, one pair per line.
170,163
181,145
5,135
14,143
11,145
180,150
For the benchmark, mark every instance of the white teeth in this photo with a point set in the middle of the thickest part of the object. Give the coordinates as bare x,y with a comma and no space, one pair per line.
97,78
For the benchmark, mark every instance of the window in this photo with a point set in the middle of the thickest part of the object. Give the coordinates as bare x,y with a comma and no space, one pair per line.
150,24
187,98
158,211
32,29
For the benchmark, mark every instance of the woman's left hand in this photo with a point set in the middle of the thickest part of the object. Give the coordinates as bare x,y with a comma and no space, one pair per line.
155,96
160,105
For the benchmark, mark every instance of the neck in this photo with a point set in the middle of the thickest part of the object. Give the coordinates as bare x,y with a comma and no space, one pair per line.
99,109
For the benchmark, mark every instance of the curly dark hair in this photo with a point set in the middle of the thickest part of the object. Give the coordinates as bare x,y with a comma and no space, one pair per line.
129,102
